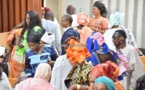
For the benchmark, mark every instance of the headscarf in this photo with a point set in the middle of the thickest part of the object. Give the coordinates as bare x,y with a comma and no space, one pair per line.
35,35
83,19
43,71
46,9
115,19
76,52
108,69
107,81
48,38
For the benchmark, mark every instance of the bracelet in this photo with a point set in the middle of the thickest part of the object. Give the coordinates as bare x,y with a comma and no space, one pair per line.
78,87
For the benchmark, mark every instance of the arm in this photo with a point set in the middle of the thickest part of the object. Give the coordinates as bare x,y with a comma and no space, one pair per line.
78,87
28,68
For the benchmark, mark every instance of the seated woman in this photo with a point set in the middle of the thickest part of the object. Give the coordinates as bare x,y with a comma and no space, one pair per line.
40,80
104,83
77,54
36,50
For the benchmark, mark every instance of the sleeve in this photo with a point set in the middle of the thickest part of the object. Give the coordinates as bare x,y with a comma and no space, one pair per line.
136,66
52,52
28,68
104,24
5,82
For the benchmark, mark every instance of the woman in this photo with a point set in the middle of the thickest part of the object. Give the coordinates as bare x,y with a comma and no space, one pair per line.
77,54
4,82
108,69
40,80
17,56
83,29
99,23
104,83
38,53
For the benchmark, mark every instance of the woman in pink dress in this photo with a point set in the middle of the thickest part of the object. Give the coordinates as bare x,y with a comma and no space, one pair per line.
40,80
83,29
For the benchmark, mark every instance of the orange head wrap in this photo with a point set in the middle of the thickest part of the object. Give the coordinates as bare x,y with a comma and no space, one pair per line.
76,51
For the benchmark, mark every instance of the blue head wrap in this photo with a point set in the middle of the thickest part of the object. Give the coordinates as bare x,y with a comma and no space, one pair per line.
115,19
107,81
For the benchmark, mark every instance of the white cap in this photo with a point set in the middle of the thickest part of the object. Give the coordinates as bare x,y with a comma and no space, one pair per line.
48,38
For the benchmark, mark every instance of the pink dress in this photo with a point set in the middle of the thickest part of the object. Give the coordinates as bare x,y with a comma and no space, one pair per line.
34,84
84,33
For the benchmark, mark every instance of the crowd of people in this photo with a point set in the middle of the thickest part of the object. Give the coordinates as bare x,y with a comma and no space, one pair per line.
91,54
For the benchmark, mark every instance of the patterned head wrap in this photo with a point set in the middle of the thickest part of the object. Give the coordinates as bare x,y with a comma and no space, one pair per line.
82,19
115,19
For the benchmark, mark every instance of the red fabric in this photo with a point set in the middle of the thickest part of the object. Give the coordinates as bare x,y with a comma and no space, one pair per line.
46,9
108,69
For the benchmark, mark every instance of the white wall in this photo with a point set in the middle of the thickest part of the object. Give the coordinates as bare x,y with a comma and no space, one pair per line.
134,10
134,20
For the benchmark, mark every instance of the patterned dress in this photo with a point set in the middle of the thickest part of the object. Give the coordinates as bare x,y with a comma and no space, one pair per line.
31,68
99,24
79,75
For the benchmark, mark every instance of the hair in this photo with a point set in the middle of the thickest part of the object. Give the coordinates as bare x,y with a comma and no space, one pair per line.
101,7
49,15
69,18
121,33
43,71
106,57
0,71
70,9
34,21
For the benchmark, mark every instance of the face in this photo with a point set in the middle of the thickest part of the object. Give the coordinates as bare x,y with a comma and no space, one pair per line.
92,81
95,11
64,22
43,11
117,39
33,46
27,19
100,86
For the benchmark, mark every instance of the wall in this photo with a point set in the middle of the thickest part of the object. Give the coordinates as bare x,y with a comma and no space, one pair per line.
133,9
12,12
134,16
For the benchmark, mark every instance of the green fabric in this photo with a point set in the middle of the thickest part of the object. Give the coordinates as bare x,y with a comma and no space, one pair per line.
21,51
38,30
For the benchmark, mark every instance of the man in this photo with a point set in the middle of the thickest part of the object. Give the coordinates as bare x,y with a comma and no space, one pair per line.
72,11
136,68
66,23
